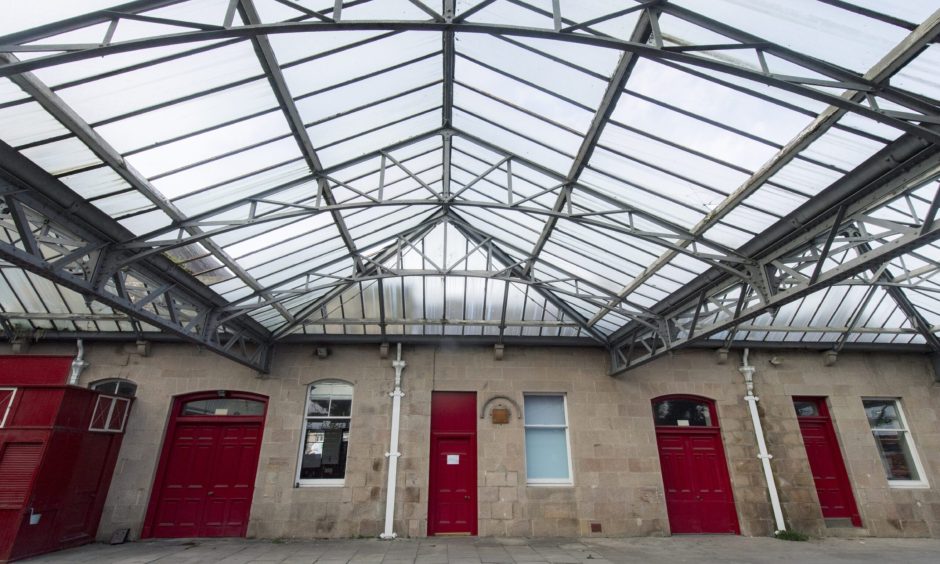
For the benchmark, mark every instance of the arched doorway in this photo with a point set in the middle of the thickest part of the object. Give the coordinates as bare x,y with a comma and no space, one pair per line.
695,474
206,476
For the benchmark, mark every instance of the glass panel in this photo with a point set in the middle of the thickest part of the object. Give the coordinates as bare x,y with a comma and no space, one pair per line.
920,74
159,83
827,32
62,157
18,16
340,407
806,408
325,447
105,387
682,413
28,123
544,410
882,414
546,454
223,406
126,389
896,456
116,387
318,407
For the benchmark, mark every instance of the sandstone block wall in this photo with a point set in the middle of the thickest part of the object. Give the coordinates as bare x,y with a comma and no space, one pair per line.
617,478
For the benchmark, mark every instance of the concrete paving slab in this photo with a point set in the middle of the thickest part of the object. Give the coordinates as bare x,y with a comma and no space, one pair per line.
690,549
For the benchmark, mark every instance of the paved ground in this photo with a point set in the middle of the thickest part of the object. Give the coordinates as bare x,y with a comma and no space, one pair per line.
697,549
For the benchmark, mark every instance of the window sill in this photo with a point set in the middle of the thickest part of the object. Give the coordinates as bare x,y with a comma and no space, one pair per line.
908,485
322,484
550,484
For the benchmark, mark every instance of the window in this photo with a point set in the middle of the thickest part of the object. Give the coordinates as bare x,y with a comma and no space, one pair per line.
325,434
682,412
232,407
115,387
547,459
901,464
110,414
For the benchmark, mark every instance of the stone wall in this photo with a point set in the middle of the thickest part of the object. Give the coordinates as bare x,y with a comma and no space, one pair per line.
617,480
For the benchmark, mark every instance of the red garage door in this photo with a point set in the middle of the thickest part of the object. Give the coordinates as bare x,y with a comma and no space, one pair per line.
206,477
695,475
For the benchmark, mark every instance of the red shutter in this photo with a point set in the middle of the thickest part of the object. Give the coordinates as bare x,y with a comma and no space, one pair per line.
18,463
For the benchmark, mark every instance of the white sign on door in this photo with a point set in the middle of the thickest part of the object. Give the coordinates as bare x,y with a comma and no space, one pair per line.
453,459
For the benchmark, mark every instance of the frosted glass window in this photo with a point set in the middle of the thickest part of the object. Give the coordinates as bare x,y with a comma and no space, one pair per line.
546,440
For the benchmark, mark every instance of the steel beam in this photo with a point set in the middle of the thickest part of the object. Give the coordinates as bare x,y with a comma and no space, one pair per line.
111,157
888,172
880,73
74,242
908,123
269,64
447,113
904,304
477,237
794,283
373,266
865,261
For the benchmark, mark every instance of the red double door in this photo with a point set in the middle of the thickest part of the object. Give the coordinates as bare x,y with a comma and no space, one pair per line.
695,477
206,477
452,503
825,460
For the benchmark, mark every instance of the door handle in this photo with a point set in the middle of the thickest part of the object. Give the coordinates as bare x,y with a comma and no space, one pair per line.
211,493
466,497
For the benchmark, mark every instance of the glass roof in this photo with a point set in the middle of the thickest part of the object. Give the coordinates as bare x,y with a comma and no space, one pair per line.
635,175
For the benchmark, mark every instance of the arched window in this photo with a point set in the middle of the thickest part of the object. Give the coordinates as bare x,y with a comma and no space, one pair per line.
115,387
325,441
684,411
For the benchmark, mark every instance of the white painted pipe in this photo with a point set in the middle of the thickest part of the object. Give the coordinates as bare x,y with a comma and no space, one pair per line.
78,365
764,456
398,364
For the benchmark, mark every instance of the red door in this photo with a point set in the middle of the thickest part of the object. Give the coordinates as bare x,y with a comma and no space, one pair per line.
207,473
695,475
825,460
452,503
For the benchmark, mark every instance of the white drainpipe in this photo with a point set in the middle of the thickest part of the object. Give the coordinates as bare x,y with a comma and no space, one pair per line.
764,456
398,364
78,365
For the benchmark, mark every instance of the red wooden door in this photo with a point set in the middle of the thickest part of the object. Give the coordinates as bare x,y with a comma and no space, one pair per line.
695,474
206,478
825,460
452,503
698,490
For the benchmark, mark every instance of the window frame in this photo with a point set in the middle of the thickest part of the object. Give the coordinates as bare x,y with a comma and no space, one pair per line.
5,413
905,432
320,482
548,482
107,420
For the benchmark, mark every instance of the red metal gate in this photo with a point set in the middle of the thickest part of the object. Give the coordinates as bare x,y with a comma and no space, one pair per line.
695,474
452,502
825,460
206,477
